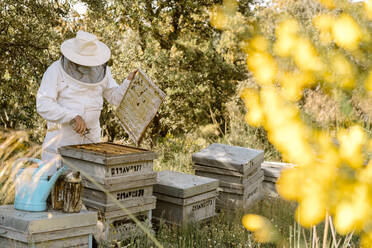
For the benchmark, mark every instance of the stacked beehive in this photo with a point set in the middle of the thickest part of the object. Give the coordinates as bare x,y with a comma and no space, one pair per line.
237,168
272,171
46,229
126,173
183,198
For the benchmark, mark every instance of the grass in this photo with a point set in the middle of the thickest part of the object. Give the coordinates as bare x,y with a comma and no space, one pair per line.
225,230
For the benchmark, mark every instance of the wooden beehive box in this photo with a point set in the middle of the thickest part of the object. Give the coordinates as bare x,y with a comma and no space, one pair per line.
182,197
243,196
127,192
124,227
108,212
237,168
233,158
247,186
225,176
272,171
108,163
124,172
46,229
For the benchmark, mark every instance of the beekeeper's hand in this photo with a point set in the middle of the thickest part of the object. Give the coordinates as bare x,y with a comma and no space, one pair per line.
132,74
79,125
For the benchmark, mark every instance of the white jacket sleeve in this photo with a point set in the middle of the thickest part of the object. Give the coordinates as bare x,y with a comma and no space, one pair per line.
114,93
46,100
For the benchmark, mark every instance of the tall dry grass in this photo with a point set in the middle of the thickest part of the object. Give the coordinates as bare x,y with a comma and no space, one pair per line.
13,145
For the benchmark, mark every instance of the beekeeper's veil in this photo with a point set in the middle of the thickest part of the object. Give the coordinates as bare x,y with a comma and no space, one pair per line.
84,57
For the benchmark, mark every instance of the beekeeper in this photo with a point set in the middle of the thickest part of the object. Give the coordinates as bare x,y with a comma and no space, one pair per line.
71,95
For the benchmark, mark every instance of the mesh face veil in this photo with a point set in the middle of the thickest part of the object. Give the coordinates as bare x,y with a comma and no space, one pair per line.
85,74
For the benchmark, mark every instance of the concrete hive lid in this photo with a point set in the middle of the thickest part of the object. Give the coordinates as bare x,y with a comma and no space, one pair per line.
46,221
183,185
229,157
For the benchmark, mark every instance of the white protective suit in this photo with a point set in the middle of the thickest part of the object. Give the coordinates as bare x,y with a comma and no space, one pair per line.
61,98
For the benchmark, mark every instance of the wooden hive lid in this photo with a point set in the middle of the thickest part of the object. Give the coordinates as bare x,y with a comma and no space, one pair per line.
273,169
183,185
46,221
229,157
107,153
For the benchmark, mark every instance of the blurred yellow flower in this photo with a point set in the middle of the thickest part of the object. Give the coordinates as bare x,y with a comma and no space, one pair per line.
311,210
328,155
365,174
342,70
351,144
366,240
286,34
259,43
251,99
368,8
294,83
218,18
220,14
289,183
324,24
261,227
346,32
328,3
306,57
263,66
330,175
350,215
368,82
287,27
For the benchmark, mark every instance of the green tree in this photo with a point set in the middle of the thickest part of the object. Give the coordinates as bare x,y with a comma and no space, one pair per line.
30,33
195,64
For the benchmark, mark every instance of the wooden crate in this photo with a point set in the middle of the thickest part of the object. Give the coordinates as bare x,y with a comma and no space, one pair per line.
269,189
120,195
180,211
182,197
182,185
178,214
227,157
230,197
226,176
107,163
119,213
248,185
272,170
137,202
227,200
124,227
46,229
123,182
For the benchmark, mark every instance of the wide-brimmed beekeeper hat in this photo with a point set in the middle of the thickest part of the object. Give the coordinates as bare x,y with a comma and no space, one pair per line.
85,49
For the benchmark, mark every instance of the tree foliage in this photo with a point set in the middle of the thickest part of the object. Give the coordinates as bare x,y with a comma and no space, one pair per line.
29,34
175,44
195,64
